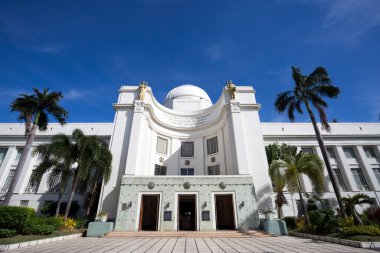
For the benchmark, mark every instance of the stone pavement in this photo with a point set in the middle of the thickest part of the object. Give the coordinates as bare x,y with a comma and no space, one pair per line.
188,244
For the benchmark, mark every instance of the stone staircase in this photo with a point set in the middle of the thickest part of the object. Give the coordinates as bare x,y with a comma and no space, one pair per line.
213,234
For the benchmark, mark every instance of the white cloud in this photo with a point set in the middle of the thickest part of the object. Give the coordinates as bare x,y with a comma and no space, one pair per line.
346,21
214,52
73,94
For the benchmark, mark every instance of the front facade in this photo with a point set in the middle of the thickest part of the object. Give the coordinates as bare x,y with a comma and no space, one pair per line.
188,164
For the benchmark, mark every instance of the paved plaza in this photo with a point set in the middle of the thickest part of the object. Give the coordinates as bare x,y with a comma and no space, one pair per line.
189,244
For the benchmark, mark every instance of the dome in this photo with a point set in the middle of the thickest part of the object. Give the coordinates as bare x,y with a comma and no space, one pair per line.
190,93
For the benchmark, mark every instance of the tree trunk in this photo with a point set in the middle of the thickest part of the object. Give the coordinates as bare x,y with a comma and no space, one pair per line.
303,203
279,212
326,160
58,202
20,165
92,198
72,192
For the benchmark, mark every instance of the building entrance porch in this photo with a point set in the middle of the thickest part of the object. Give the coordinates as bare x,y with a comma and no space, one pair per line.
187,212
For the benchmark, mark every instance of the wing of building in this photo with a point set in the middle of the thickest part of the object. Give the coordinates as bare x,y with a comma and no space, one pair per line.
189,164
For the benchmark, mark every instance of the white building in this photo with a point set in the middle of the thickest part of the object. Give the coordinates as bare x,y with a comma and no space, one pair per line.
192,165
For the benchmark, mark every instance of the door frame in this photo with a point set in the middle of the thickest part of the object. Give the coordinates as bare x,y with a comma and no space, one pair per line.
138,210
176,208
234,211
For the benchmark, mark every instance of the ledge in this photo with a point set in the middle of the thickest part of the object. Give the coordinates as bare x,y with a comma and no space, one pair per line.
6,247
351,243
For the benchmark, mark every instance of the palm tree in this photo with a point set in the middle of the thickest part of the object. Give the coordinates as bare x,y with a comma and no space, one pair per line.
93,159
276,152
34,110
55,158
351,202
310,91
292,166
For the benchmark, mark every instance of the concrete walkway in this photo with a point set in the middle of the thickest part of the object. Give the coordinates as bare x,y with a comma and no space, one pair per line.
187,244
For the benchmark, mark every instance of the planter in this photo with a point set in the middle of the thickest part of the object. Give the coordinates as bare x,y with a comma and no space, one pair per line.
268,216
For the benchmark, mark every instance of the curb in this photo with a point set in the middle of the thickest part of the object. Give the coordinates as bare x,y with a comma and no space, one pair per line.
356,244
20,245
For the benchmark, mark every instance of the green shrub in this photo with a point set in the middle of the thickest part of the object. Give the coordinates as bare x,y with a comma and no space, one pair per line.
82,222
56,222
311,206
361,230
323,221
346,222
290,222
38,226
15,217
4,232
316,218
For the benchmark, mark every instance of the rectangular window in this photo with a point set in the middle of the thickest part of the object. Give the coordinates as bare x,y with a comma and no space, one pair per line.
55,183
331,153
24,203
212,145
3,152
19,153
159,170
339,178
32,187
187,172
307,150
349,152
187,149
9,180
162,145
360,180
376,171
369,152
213,170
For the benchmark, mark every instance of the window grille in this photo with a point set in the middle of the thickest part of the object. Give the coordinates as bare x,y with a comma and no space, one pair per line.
360,180
376,171
349,152
369,152
32,187
162,145
3,152
8,180
331,153
214,170
187,172
212,145
307,150
339,178
19,153
159,170
187,149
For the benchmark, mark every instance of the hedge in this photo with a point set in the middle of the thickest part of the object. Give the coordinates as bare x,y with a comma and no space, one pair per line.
15,217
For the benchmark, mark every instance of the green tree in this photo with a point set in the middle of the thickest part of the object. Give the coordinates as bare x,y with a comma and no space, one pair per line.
290,167
310,91
58,161
34,110
351,202
277,152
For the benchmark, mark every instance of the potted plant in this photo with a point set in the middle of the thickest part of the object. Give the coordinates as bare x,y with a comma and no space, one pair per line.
103,215
267,213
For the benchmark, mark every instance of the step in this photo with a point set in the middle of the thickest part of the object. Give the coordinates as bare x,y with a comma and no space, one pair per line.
219,234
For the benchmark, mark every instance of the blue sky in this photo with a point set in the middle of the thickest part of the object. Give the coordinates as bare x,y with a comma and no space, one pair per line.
88,49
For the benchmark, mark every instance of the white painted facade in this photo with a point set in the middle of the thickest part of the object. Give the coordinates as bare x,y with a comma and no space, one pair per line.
188,115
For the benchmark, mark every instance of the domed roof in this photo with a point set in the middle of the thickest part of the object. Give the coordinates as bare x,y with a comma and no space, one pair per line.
187,91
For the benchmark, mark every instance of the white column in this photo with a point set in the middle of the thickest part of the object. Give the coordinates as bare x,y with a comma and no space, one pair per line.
367,169
238,137
135,141
345,169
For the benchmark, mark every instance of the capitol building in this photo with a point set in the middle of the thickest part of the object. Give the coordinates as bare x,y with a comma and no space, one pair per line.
190,164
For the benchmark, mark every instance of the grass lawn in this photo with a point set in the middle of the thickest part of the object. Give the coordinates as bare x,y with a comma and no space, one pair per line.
25,238
361,238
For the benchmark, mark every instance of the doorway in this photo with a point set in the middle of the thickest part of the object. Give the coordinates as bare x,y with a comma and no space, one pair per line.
187,215
149,212
224,212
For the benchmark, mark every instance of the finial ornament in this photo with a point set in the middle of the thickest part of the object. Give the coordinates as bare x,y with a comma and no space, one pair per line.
231,89
142,89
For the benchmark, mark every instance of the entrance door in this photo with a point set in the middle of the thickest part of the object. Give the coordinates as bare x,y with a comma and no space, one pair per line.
149,212
187,216
224,211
